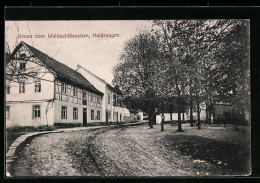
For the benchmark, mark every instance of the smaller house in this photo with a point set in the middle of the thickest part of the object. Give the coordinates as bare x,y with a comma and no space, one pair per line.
222,112
113,109
185,112
230,114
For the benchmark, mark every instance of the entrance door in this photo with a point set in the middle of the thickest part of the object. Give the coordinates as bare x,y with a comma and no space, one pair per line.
106,117
84,116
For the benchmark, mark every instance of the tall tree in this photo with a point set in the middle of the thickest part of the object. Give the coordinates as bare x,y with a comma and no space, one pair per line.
232,74
194,43
135,73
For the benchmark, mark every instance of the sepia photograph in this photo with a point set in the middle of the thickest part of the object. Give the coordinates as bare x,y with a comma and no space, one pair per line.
127,98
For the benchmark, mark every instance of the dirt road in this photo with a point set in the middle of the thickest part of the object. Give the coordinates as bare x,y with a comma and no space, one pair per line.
128,151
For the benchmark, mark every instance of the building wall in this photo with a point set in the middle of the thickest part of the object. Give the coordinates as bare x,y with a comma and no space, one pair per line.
47,90
116,109
102,86
195,115
46,77
70,93
109,106
21,114
175,116
141,116
58,108
220,110
125,114
51,98
21,104
98,85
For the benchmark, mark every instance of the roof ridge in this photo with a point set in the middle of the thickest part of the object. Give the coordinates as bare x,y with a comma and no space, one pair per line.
79,66
102,80
45,54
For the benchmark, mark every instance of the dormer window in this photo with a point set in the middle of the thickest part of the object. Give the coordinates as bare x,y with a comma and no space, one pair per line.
22,65
22,56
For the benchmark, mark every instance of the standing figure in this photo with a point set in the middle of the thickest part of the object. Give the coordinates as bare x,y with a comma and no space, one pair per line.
162,123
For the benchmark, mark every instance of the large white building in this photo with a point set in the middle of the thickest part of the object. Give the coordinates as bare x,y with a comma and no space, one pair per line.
52,93
112,107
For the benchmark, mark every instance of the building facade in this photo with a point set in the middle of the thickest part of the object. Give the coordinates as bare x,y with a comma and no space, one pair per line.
43,91
112,107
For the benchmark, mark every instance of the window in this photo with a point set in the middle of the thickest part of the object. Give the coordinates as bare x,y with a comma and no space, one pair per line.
98,115
63,112
92,114
63,87
7,112
108,98
84,101
36,111
84,94
37,86
22,87
8,89
91,98
99,100
114,100
22,66
108,115
75,113
75,91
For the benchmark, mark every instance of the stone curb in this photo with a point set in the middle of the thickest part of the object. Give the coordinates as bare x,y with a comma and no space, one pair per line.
10,155
11,152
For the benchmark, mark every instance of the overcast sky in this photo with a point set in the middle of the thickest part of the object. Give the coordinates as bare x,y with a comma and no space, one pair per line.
98,55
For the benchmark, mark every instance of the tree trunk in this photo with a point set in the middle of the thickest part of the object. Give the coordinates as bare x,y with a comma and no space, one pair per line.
171,106
214,120
210,112
198,112
183,115
236,118
207,103
179,116
150,119
207,112
161,110
191,112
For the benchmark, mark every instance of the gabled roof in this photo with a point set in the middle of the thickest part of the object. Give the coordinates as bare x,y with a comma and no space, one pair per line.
100,79
61,70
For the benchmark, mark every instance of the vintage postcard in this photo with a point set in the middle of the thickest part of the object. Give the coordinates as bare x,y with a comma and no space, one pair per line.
127,98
